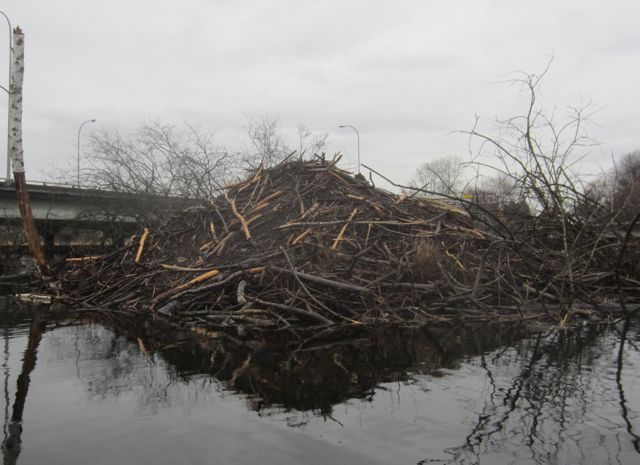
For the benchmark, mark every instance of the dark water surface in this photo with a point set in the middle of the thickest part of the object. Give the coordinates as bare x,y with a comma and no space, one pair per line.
486,395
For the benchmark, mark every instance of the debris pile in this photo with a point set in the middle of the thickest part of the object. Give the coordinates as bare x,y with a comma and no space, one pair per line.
301,244
306,245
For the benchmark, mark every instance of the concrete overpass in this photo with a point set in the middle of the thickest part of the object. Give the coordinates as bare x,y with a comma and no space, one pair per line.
59,207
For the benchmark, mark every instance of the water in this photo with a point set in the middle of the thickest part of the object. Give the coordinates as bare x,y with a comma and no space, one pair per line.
98,395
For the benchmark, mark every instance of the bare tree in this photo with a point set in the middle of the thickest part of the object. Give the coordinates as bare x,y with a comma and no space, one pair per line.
538,152
269,145
626,186
498,194
310,142
618,191
168,166
442,175
158,159
180,162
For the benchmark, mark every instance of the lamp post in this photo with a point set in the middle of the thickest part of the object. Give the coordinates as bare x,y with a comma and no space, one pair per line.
79,130
7,180
357,134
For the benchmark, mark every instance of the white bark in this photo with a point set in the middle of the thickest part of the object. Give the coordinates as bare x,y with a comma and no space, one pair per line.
15,102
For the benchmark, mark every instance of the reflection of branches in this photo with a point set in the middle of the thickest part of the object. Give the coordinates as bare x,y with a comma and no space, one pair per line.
534,400
623,401
116,366
553,390
280,376
510,402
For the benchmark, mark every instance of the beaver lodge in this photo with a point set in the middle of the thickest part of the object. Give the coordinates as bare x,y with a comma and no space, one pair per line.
305,245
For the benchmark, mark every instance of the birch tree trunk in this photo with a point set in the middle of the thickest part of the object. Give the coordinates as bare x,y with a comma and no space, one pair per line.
17,160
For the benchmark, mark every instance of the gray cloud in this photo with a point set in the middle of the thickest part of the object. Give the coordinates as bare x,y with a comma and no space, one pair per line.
407,73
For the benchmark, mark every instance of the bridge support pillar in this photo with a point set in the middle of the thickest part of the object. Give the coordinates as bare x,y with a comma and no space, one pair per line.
49,243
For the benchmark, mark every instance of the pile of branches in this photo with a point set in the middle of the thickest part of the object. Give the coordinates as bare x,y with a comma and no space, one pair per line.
305,244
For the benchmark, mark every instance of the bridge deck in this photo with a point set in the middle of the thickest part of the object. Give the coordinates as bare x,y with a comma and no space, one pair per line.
66,203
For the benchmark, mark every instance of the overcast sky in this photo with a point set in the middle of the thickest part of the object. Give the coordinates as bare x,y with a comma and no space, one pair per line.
407,73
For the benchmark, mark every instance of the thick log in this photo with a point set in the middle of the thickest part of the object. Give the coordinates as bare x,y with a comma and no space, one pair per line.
17,157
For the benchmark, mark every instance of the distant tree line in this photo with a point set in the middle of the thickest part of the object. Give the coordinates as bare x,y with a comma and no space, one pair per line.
616,191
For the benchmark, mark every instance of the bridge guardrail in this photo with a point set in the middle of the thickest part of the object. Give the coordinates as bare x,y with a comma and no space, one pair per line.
88,190
53,184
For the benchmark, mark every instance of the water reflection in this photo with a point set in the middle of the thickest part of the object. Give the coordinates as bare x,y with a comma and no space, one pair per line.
111,367
316,375
438,395
12,427
553,399
623,402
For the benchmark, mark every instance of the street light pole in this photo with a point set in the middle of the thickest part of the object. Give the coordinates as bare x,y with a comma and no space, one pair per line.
79,130
7,180
357,134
